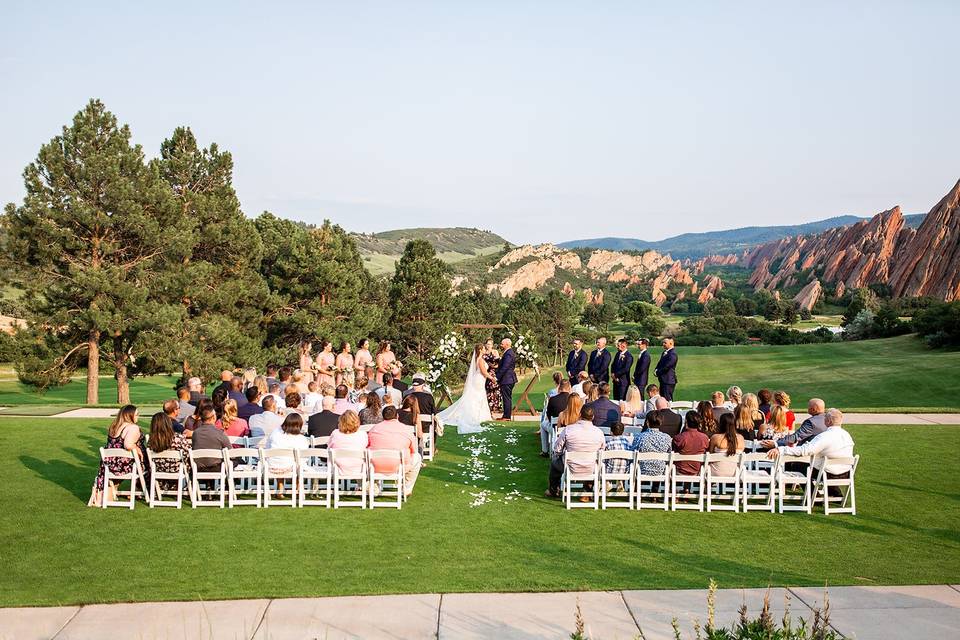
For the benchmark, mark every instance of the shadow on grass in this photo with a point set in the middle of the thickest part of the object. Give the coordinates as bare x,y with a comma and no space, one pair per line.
77,476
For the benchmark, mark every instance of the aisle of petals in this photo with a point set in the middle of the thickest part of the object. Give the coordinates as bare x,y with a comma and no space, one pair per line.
486,455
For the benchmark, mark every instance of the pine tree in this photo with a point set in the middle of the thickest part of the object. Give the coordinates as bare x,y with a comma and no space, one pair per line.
94,238
420,301
559,315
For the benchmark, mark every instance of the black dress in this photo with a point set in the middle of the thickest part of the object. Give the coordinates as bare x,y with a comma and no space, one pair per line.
494,399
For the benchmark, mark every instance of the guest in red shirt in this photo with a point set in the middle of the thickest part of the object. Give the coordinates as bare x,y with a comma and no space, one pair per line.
393,434
781,398
691,441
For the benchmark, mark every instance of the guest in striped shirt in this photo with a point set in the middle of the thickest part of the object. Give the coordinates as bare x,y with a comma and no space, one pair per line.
618,442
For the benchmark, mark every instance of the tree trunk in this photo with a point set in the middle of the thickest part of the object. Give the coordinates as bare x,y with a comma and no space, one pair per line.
93,367
123,384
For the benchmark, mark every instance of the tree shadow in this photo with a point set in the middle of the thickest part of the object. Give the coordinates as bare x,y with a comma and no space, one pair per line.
75,476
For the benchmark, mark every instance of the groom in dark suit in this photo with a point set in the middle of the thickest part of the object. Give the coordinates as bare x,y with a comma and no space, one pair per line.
622,363
507,377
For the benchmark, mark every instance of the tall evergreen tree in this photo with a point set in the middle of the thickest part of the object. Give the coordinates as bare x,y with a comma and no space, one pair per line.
94,238
559,314
420,301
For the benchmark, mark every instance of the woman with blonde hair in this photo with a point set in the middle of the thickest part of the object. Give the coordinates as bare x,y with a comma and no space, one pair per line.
592,391
349,437
734,395
260,382
777,426
571,414
122,434
747,417
781,398
229,423
632,405
359,388
249,375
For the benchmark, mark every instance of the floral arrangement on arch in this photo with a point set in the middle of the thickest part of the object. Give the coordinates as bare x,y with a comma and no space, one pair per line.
448,350
526,355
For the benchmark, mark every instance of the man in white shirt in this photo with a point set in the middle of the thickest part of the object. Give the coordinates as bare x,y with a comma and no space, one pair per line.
834,442
312,399
579,436
278,400
650,404
263,424
387,389
582,377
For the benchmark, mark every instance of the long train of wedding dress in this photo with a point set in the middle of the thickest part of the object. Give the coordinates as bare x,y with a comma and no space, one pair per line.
471,410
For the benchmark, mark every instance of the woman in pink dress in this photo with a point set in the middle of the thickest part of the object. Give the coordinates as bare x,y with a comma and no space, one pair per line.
363,362
345,366
326,363
306,361
386,361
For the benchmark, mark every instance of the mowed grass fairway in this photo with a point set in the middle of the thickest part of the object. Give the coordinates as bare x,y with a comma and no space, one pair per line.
58,551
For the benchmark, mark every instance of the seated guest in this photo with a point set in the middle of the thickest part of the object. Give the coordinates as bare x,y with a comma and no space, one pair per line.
606,412
293,402
171,408
765,401
348,436
207,436
719,406
297,384
220,396
571,413
260,382
391,434
124,433
751,405
359,388
288,436
272,375
669,420
809,428
653,394
708,422
832,442
555,406
726,440
278,401
632,405
746,424
230,423
582,378
776,426
409,414
583,435
283,379
557,379
265,423
236,391
387,390
252,407
592,391
186,408
618,442
226,382
690,441
194,421
734,394
312,400
419,389
195,386
371,414
164,438
325,422
781,398
341,402
652,440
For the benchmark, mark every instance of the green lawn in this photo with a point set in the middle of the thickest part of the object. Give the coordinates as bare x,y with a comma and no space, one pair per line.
150,390
58,551
895,374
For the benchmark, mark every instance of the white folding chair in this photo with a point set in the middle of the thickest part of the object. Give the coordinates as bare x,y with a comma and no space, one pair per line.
552,435
278,475
653,480
317,442
349,483
378,480
156,488
427,425
756,483
681,404
247,473
134,476
823,484
791,480
677,478
608,480
237,440
315,469
581,478
718,486
218,478
254,442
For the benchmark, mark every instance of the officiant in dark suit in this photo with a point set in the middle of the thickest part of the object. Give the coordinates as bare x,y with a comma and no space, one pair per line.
599,364
620,370
642,371
507,377
576,361
667,369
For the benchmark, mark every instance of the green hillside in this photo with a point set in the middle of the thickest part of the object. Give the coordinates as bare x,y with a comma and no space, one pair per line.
454,244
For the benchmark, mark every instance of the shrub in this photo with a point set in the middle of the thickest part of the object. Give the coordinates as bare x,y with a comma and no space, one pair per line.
939,324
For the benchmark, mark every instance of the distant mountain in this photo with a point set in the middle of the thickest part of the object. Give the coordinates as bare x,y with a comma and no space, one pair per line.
380,251
698,245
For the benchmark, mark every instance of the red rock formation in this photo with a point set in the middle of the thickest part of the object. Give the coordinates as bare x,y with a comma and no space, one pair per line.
809,295
711,287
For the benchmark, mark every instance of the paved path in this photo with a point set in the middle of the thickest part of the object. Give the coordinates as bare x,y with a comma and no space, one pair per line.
875,613
849,418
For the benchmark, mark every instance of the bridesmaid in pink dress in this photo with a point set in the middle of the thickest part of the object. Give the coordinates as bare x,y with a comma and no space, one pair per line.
345,366
326,362
386,361
306,361
363,362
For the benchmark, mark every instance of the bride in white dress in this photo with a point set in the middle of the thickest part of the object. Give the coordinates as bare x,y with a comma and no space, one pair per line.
471,410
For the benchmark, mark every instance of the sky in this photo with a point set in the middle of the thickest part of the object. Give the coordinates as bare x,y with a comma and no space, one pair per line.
541,121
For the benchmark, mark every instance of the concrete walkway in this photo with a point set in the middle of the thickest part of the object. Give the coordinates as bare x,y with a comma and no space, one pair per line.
875,613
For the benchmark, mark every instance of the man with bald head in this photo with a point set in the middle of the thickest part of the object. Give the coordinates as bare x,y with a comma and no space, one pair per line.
670,421
810,429
666,370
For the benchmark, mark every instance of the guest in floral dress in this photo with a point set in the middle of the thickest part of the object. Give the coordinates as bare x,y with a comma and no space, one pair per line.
494,398
164,438
122,434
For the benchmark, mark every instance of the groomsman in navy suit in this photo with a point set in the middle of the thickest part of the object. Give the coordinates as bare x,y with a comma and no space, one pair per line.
599,364
576,361
642,371
667,369
622,363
